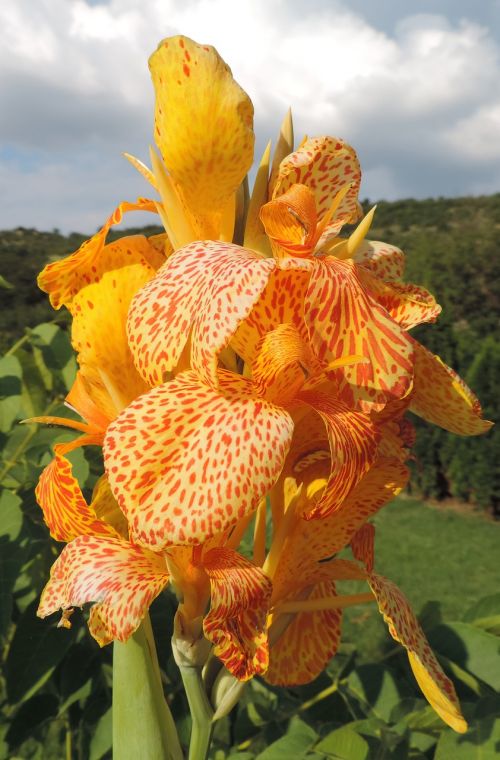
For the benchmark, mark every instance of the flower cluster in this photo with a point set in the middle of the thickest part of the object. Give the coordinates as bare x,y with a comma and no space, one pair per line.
247,370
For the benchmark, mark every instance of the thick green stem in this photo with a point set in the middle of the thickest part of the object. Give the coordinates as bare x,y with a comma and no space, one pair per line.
143,726
201,712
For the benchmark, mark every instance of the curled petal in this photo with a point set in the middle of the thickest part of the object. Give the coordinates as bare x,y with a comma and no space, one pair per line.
206,290
342,319
185,462
440,396
383,260
122,578
203,122
363,546
308,643
405,628
236,622
63,279
290,221
409,305
65,510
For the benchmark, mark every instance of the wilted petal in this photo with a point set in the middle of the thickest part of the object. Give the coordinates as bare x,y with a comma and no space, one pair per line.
123,578
236,622
440,396
405,628
207,288
185,462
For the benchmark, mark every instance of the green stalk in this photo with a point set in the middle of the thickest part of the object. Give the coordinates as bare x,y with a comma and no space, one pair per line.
201,712
143,726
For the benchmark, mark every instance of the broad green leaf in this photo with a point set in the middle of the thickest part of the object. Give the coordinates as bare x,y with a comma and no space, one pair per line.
11,516
298,739
103,737
12,557
481,742
485,607
344,743
473,649
10,391
36,648
56,349
36,382
32,714
376,687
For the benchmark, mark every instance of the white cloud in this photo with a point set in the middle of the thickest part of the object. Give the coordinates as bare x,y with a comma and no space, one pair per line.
420,103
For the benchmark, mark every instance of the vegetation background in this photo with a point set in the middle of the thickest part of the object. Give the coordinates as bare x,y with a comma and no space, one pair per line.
55,684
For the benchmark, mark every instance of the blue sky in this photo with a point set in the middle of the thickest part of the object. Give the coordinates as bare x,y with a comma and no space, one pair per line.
413,86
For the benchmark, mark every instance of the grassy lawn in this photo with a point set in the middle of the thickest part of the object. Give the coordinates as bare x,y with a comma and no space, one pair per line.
431,554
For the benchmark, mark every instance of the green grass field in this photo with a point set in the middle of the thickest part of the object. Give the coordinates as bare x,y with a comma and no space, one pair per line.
432,554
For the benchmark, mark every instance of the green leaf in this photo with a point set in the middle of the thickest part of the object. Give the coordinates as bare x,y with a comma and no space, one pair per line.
12,557
473,649
11,516
344,743
376,687
10,391
103,737
5,284
36,648
30,716
485,607
481,742
299,738
56,349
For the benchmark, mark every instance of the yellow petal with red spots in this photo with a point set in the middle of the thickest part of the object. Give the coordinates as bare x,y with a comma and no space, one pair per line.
203,123
122,578
65,510
236,622
106,507
63,279
353,442
343,319
205,289
405,628
325,165
79,399
383,260
440,396
99,336
308,643
408,305
185,462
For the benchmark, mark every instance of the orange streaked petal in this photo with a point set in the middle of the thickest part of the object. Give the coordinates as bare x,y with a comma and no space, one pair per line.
343,319
65,510
122,578
440,396
325,165
353,442
383,260
79,399
63,279
363,546
409,305
307,645
185,462
236,622
405,628
207,288
290,221
203,122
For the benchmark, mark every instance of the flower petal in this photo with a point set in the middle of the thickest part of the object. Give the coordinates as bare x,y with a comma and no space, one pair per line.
363,546
185,462
353,442
440,396
63,279
290,221
405,628
383,260
123,578
342,318
65,510
203,122
309,642
207,288
236,622
325,165
408,305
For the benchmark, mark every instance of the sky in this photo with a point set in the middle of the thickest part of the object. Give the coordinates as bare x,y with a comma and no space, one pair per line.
413,85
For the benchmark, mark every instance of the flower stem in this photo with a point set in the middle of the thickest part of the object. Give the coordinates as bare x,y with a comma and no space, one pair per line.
201,712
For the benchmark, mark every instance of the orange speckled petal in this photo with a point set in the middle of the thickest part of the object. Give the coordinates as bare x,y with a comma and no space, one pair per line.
236,622
79,399
405,628
353,445
363,546
290,221
208,288
409,305
65,511
307,645
63,279
123,578
440,396
185,462
325,165
383,260
203,122
343,319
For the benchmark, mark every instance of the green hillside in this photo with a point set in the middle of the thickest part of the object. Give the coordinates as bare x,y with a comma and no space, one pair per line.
452,248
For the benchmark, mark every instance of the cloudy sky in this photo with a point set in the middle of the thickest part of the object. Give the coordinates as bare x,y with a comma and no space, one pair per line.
413,85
